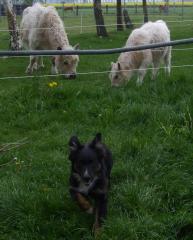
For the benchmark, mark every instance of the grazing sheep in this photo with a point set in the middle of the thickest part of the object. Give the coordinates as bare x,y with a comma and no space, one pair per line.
130,62
42,29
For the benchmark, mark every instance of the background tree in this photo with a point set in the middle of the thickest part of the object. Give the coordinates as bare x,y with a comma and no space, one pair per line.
119,16
30,2
145,12
128,23
100,26
12,25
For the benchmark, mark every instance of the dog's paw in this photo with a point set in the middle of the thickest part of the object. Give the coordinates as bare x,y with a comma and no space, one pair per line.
96,229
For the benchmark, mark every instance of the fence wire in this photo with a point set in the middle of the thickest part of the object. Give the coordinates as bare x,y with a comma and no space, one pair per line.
90,73
94,25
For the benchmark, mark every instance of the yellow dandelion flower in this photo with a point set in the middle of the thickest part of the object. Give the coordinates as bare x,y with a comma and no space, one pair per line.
52,84
55,84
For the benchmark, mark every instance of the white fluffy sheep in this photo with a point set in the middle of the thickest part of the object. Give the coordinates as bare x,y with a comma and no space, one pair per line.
42,29
130,62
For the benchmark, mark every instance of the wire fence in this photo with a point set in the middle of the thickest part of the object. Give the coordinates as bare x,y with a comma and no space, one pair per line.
173,14
173,49
155,47
108,8
88,73
80,27
94,51
94,25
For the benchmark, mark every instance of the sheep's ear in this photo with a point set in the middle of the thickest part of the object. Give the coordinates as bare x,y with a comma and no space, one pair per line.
96,140
59,48
74,144
119,66
76,47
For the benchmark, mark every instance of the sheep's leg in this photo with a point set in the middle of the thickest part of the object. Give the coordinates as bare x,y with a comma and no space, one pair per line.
41,63
167,61
141,73
32,65
35,65
155,69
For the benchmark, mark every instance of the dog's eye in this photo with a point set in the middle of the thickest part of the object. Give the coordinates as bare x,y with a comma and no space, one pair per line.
65,63
98,167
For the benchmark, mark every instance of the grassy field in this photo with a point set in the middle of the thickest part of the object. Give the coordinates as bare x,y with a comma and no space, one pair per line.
149,130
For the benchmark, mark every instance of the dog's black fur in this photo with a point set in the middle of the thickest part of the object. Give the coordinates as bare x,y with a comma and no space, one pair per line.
91,165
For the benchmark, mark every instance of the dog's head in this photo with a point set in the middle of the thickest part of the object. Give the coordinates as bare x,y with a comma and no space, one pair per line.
87,158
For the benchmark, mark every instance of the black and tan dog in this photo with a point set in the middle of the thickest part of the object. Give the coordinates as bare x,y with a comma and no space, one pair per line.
90,176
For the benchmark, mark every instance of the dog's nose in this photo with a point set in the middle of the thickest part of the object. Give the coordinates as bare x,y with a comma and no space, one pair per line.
86,176
72,76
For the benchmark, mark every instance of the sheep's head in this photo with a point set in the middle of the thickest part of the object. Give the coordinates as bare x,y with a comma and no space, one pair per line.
66,64
118,75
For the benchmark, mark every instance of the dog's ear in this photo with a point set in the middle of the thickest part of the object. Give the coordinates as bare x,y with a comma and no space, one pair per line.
97,145
74,144
96,140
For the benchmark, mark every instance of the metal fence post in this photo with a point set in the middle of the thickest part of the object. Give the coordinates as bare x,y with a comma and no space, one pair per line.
182,9
81,20
94,51
63,11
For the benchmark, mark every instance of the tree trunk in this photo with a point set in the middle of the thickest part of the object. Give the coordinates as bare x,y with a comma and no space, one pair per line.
128,23
100,26
119,16
12,25
145,12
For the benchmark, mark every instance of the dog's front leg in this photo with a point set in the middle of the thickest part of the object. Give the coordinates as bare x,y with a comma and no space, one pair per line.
82,201
100,212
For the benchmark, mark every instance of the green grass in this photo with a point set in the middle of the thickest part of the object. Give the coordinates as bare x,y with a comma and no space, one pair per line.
148,129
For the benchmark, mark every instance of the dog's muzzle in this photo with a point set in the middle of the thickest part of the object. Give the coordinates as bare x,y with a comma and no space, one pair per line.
86,189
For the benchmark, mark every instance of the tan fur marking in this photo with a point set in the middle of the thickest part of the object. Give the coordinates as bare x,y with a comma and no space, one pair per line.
83,202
